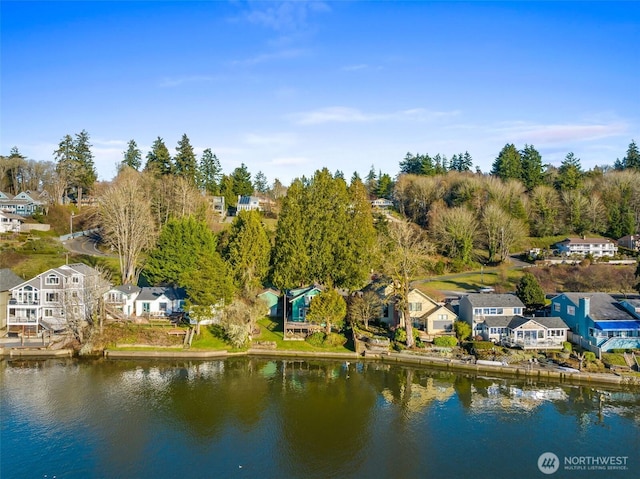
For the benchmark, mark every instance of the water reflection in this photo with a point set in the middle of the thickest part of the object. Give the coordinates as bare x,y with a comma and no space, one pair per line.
288,418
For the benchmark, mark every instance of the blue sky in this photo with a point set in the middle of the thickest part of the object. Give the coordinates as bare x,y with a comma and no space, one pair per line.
290,87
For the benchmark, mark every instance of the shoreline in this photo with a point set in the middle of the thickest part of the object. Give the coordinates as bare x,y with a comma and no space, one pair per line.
442,364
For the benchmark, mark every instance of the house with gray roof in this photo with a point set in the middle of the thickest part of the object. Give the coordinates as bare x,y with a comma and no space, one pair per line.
476,308
524,332
9,222
596,247
25,203
119,301
55,299
598,321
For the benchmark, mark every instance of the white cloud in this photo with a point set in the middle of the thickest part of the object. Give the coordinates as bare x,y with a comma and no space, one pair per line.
338,114
279,16
561,133
271,140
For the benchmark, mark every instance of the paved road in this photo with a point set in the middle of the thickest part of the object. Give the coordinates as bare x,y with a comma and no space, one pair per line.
85,245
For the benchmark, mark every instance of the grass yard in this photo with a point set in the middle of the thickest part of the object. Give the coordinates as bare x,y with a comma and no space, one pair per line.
210,339
503,280
613,359
271,330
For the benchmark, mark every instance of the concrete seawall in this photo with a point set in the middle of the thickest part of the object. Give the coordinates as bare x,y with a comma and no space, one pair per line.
35,353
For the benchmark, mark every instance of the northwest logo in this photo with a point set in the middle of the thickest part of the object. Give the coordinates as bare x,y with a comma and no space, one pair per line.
548,463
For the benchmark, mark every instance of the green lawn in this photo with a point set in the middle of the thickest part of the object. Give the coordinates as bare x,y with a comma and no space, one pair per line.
271,330
210,339
613,359
503,280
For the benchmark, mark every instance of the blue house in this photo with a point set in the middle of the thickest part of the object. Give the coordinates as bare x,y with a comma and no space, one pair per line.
271,298
598,320
298,301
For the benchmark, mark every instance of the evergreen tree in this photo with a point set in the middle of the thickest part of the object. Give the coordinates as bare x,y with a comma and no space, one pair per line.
532,169
209,173
260,183
508,164
75,163
440,164
371,182
133,156
180,247
185,164
159,159
242,185
290,257
411,165
427,167
248,250
570,173
632,160
530,292
328,308
227,190
385,186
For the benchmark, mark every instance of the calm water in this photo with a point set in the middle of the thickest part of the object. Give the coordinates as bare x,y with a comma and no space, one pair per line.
251,418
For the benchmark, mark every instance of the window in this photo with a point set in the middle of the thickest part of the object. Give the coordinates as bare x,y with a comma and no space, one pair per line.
477,311
385,311
163,307
556,307
146,307
75,279
52,279
48,313
571,310
415,306
517,310
51,297
443,317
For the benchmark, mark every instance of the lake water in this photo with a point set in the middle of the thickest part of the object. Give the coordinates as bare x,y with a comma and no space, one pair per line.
259,418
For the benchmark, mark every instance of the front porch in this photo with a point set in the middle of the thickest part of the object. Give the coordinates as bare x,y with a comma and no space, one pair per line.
299,330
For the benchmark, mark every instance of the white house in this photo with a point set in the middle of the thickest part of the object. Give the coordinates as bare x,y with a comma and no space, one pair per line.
54,299
596,247
9,222
248,203
120,300
159,301
630,242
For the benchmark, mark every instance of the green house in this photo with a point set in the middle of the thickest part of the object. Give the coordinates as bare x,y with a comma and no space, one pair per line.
271,298
297,303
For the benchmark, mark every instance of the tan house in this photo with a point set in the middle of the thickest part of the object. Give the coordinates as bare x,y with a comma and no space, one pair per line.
430,317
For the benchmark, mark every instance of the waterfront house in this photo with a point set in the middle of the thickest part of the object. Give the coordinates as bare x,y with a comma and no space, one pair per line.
8,280
597,321
120,300
382,203
475,308
56,298
9,222
271,298
596,247
159,301
296,304
526,333
219,206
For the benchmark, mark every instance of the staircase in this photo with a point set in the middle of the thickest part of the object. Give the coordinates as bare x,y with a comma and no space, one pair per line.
114,313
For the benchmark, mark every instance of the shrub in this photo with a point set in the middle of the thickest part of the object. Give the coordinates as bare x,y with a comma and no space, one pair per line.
334,340
400,335
566,347
589,356
445,341
483,345
316,339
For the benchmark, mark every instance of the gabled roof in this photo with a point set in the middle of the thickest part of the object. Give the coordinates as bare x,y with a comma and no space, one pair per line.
294,294
494,300
11,216
586,241
155,292
435,309
602,306
8,279
269,291
128,288
513,322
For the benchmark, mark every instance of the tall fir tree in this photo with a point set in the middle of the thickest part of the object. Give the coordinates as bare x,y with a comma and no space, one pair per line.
159,159
209,173
532,168
508,164
371,182
242,185
185,163
75,162
260,183
632,158
411,165
570,173
133,156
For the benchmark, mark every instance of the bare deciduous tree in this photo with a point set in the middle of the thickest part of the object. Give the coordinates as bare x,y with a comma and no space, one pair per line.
127,222
406,251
